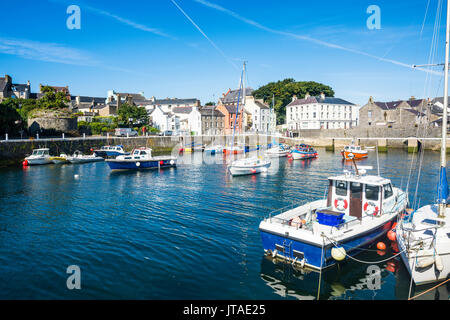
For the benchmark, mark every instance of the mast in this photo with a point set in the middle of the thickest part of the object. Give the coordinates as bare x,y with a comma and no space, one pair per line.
237,107
443,187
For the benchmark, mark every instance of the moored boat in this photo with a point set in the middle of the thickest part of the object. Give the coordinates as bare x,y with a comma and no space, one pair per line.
78,157
39,156
247,166
423,237
277,151
59,160
213,149
303,151
358,210
110,151
139,159
354,152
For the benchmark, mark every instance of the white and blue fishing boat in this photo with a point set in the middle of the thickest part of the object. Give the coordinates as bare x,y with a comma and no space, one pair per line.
358,210
139,159
111,151
303,151
277,150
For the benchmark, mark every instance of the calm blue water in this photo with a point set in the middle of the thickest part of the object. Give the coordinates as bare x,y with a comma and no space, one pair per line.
184,233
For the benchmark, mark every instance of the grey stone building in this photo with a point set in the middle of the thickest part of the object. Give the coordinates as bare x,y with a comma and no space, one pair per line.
394,114
212,120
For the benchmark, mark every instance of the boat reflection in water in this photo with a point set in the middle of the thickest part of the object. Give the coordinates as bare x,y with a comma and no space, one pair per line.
348,280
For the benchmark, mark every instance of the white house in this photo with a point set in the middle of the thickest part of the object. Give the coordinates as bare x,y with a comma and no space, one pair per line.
190,118
164,120
262,117
321,112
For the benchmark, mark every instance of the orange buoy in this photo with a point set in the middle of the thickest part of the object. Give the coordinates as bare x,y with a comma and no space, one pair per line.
381,246
381,252
25,163
391,235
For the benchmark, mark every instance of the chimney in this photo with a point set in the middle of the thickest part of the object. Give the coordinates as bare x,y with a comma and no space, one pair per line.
28,83
8,78
294,97
119,101
370,99
322,95
77,99
412,98
306,95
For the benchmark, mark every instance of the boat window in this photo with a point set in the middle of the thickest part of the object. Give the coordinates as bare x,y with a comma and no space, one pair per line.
372,192
143,152
341,188
430,222
388,191
356,189
35,152
136,152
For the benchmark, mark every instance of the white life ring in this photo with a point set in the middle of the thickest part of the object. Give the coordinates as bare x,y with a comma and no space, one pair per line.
341,204
370,208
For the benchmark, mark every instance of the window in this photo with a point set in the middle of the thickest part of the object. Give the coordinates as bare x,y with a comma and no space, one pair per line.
372,192
388,191
341,188
356,189
369,114
314,115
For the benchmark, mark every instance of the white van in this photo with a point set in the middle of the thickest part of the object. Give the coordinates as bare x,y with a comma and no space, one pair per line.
123,132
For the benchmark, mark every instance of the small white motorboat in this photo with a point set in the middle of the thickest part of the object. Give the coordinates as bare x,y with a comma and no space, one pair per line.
248,166
141,158
277,151
59,160
39,156
78,157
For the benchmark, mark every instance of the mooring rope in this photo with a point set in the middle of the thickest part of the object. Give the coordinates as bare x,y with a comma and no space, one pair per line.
435,287
361,261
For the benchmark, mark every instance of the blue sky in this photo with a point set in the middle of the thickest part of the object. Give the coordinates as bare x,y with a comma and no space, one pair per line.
151,46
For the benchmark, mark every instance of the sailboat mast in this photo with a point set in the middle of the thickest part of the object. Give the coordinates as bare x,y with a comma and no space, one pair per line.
444,115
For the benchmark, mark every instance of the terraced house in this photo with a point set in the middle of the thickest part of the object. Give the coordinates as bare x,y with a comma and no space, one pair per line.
321,112
212,120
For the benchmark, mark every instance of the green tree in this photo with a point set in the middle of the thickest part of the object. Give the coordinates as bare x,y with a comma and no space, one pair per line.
210,103
131,114
52,99
11,121
285,89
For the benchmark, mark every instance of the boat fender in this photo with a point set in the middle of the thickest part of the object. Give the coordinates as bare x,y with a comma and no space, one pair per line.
274,253
338,253
371,208
391,235
138,164
424,262
172,162
438,262
340,204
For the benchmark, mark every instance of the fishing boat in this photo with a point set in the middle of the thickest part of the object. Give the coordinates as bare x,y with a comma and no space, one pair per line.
110,151
246,166
277,151
213,149
60,160
358,209
303,152
423,237
78,157
39,156
354,152
139,159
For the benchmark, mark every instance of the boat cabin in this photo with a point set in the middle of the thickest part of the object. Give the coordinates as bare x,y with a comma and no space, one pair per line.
359,196
41,152
112,148
138,154
352,148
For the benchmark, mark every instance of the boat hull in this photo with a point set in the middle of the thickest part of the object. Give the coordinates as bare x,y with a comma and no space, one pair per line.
428,274
121,165
356,155
246,170
303,155
312,252
38,161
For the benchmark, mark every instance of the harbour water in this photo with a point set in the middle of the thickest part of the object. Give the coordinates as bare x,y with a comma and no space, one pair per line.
189,232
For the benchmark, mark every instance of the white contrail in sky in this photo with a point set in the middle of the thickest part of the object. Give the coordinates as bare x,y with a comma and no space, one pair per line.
306,38
204,34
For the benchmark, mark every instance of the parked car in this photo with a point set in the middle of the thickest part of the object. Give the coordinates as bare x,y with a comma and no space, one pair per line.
123,132
166,133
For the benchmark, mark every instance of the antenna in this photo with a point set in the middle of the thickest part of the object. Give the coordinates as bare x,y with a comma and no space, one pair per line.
378,163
